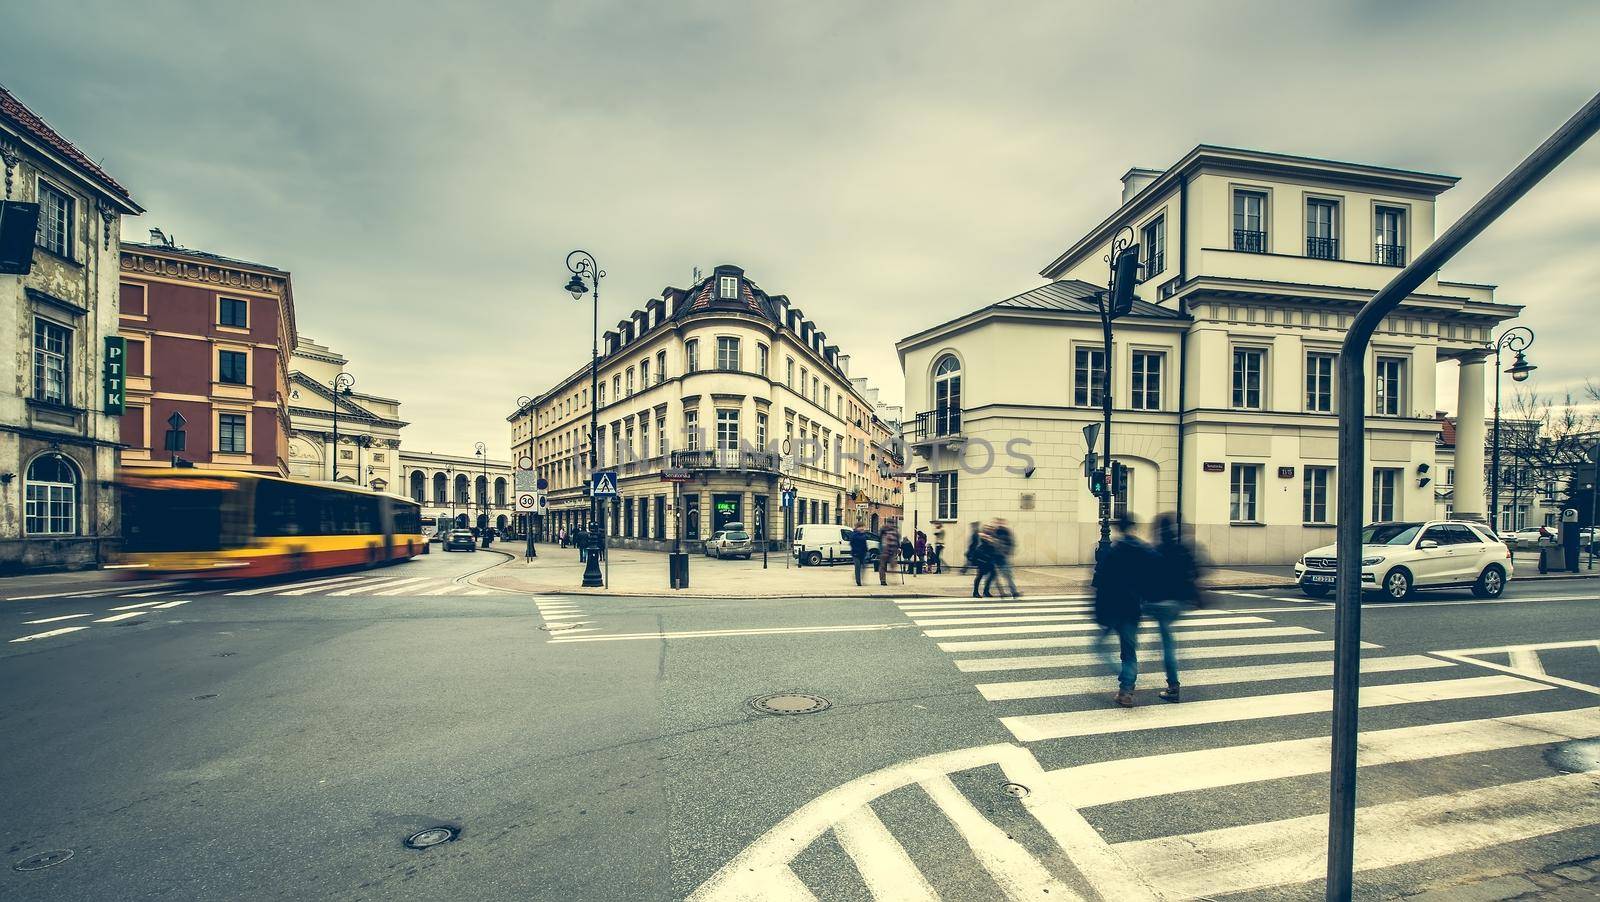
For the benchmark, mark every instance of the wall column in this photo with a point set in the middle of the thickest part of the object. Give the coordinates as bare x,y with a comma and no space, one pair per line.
1470,434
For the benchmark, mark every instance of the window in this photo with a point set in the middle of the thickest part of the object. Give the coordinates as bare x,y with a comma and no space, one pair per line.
1154,245
761,431
616,387
439,496
727,353
55,220
1450,476
816,385
761,359
1242,493
1247,368
1385,501
1319,382
1314,495
233,312
1322,228
418,486
661,436
600,392
691,429
233,367
661,366
644,373
1389,236
788,371
827,397
1147,380
947,396
231,433
1089,377
728,288
691,355
630,382
1390,386
50,505
727,429
644,436
1250,221
946,492
52,354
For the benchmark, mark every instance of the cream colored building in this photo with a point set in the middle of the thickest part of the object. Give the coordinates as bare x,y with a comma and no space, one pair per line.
1255,264
369,425
460,490
725,383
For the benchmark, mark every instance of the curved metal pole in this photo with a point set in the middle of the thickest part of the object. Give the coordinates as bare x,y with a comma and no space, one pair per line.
1517,339
581,263
1352,465
341,381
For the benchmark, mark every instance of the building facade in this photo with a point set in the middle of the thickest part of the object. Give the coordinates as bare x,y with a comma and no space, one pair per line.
723,384
1224,384
340,433
209,340
457,490
58,433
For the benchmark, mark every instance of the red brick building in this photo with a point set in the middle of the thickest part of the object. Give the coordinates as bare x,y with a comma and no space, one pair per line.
208,337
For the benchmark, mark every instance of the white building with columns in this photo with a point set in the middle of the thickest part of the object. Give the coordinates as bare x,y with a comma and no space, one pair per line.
1223,380
458,490
367,425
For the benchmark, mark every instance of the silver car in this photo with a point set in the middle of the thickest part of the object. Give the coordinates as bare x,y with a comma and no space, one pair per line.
730,543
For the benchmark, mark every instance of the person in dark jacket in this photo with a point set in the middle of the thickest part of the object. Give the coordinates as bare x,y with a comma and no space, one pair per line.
581,540
1121,581
1176,589
858,550
920,548
980,557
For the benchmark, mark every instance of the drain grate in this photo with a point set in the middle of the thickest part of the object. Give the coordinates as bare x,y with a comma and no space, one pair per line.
786,703
42,860
433,836
1015,790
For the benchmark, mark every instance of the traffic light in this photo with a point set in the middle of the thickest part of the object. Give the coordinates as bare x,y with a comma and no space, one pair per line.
1090,461
1097,482
1119,479
1125,275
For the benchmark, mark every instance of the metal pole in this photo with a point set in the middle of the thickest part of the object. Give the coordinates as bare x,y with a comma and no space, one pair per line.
1105,425
335,451
1494,445
1352,462
1594,504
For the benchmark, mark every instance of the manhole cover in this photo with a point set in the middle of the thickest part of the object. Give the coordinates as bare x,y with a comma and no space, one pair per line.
433,836
790,703
1015,790
42,860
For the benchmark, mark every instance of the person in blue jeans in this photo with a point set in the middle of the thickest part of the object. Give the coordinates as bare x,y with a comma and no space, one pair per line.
1175,590
1121,587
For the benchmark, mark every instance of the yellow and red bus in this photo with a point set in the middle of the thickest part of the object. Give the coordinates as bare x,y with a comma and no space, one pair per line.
233,525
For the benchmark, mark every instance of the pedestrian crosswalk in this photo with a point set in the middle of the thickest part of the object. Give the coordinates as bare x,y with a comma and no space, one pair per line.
1197,799
358,584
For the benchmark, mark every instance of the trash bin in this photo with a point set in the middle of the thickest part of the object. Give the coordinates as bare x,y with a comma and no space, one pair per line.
678,569
1552,558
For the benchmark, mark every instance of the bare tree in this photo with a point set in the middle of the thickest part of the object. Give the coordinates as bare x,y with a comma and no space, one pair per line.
1542,445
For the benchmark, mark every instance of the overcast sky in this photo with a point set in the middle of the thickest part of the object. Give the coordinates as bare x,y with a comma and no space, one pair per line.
423,168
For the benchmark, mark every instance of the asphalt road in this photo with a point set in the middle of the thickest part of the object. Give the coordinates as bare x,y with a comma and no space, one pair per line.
248,743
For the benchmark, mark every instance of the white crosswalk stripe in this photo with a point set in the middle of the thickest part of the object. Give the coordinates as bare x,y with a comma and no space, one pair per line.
1186,630
368,587
298,588
1218,676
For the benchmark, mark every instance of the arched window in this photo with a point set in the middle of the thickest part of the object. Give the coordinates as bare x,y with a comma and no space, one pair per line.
461,489
419,484
500,492
483,490
947,396
439,489
51,497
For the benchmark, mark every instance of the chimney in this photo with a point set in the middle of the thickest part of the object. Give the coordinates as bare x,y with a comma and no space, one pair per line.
844,364
1135,180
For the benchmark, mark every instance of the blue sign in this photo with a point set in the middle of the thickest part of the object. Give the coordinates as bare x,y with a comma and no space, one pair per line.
788,499
603,484
542,484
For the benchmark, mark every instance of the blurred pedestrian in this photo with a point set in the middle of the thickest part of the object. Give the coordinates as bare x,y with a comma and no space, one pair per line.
1120,581
888,549
1004,543
920,546
938,548
974,544
581,540
980,557
858,550
908,554
1175,590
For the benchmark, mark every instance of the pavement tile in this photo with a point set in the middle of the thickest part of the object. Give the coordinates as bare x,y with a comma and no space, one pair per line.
1574,872
1491,890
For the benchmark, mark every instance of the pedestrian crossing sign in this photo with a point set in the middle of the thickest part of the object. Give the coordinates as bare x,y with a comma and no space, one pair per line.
603,483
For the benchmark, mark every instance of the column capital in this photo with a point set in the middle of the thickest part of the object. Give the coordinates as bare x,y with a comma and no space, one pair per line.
1471,356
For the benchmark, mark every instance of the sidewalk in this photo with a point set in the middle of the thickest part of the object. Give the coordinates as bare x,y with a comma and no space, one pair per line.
1573,881
557,571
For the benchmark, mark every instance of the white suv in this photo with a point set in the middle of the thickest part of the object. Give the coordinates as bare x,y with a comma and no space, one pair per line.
1399,558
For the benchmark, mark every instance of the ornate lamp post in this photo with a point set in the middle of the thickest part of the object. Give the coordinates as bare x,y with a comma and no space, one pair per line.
341,385
582,265
482,452
1517,340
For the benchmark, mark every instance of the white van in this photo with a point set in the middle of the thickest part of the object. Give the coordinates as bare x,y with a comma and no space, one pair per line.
823,543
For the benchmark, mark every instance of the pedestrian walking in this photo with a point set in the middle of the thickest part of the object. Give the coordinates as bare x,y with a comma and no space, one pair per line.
920,546
1175,591
581,539
888,548
974,545
938,548
980,557
907,555
1121,577
1004,543
858,550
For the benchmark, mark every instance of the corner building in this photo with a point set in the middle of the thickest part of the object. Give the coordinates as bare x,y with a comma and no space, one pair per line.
1223,380
723,382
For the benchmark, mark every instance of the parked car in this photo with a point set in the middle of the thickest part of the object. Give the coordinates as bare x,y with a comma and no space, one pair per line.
460,538
1531,538
730,543
1399,558
820,543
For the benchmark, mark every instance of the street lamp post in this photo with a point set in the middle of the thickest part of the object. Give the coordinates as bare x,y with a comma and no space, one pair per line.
1109,299
1517,340
482,451
581,264
341,384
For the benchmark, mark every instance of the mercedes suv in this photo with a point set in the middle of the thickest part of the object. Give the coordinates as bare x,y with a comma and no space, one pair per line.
1400,558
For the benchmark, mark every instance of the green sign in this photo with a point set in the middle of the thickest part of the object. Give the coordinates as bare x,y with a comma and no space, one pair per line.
116,384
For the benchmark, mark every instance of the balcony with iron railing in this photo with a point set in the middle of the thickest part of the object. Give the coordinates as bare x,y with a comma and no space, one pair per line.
1389,254
1249,241
1322,248
940,427
736,459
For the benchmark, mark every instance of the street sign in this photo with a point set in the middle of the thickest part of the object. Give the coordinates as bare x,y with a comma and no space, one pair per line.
603,484
1091,435
525,462
788,498
176,421
116,366
1213,466
675,474
523,480
541,483
527,502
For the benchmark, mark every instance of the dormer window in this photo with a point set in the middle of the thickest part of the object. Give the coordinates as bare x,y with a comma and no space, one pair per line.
728,288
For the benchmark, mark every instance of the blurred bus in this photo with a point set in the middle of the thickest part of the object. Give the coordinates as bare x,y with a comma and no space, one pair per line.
226,524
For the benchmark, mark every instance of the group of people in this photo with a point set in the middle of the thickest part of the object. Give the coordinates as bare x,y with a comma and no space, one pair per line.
578,538
916,553
990,548
1133,580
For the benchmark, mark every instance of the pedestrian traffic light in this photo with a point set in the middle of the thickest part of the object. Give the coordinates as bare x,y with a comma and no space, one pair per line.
1119,479
1097,482
1125,274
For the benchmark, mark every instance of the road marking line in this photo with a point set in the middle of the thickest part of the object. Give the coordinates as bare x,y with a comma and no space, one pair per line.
89,593
1216,676
54,619
382,584
1018,874
576,616
300,588
883,863
1180,635
148,594
1077,627
1470,656
171,604
480,592
768,631
1253,595
1527,661
1125,779
115,617
1285,852
48,633
411,590
450,589
1073,617
1034,727
986,611
142,604
1035,662
975,605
